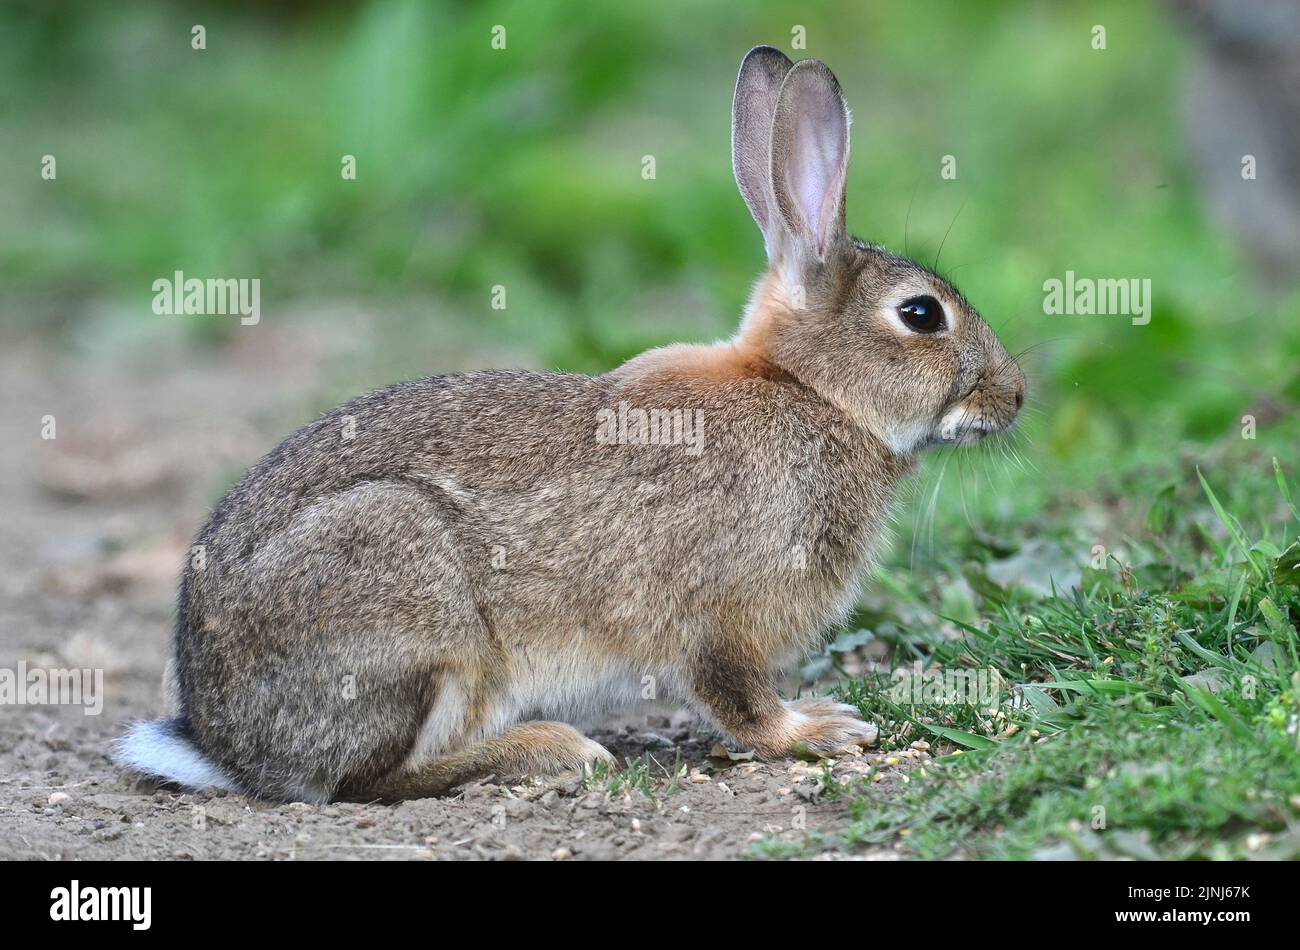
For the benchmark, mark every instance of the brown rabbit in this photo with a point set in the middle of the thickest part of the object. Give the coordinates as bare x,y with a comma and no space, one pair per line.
404,593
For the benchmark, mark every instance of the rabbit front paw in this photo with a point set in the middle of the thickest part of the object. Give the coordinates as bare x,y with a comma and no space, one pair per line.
822,726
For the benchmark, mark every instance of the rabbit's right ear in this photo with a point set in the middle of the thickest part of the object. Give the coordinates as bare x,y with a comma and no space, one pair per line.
810,158
757,88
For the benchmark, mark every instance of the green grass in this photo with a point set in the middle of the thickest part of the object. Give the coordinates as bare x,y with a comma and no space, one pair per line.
1153,710
643,774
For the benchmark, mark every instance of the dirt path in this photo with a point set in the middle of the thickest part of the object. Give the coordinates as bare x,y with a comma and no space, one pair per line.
95,525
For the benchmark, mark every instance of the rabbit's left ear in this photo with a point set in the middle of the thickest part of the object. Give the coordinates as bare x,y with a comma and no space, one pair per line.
757,89
810,157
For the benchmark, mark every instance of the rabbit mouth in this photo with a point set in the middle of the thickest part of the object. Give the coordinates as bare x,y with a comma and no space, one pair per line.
962,425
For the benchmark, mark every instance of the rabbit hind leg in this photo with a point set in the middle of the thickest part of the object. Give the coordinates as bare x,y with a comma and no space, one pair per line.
529,748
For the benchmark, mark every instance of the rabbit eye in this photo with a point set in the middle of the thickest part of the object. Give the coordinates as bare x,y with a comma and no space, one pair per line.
922,314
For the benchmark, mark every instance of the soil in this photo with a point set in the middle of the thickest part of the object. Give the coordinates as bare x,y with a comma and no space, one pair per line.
96,522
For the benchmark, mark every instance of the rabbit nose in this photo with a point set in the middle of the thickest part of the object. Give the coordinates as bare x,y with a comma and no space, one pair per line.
1020,397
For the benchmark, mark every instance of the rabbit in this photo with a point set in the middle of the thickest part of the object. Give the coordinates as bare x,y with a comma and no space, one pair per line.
422,587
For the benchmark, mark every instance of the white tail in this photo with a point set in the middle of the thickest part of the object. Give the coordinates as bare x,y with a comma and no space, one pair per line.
161,749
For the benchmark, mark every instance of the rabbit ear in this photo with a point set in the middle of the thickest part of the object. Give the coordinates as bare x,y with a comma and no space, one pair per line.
810,156
757,88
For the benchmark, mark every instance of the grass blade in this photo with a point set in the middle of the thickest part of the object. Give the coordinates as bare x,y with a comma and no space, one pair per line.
1284,488
967,739
1233,529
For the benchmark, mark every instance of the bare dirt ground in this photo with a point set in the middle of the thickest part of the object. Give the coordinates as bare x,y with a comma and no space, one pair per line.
94,525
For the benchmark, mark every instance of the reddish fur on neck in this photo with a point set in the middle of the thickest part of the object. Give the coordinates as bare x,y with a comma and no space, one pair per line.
748,355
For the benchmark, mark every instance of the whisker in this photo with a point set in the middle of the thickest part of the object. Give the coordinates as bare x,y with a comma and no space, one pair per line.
907,220
935,266
926,515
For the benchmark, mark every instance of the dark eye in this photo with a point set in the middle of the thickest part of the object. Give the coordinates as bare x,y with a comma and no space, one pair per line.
922,314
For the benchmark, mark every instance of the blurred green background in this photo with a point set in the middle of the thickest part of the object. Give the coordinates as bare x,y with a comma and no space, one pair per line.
522,167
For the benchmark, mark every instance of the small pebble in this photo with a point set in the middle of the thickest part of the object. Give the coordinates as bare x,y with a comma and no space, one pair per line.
59,798
1256,841
561,854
